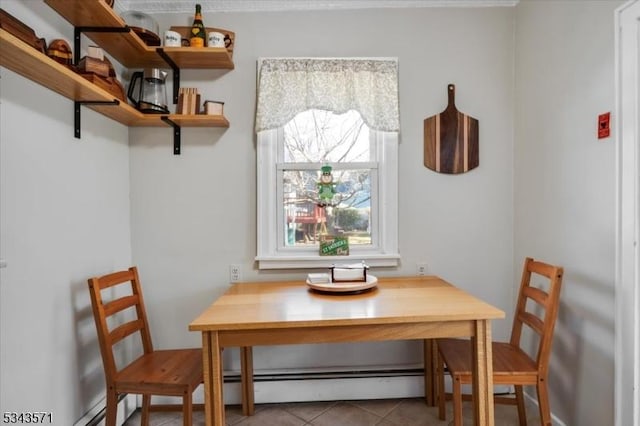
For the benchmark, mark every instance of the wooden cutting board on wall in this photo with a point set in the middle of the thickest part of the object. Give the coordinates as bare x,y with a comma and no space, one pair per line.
451,140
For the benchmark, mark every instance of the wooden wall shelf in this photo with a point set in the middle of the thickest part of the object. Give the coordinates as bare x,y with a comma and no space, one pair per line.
34,65
128,48
125,47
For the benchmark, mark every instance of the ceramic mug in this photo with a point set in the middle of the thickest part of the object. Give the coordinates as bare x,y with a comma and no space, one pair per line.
172,39
215,39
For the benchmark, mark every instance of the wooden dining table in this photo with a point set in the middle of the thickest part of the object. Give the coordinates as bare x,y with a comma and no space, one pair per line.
289,312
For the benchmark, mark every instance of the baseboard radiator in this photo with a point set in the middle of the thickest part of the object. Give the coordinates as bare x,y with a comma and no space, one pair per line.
326,384
303,386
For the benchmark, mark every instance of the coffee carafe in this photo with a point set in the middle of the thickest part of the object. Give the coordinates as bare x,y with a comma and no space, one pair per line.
148,91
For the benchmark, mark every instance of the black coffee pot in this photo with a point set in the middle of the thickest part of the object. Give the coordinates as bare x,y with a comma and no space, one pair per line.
148,91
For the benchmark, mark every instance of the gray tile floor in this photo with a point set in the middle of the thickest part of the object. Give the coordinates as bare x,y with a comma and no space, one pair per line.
384,412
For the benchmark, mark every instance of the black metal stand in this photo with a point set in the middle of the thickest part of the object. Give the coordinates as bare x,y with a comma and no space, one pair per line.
76,112
176,89
77,33
176,73
176,134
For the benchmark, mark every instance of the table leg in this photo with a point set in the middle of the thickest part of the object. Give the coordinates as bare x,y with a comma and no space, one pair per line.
207,373
429,372
215,398
482,374
246,376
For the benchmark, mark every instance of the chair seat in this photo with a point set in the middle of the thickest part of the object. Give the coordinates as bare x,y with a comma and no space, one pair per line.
162,372
508,360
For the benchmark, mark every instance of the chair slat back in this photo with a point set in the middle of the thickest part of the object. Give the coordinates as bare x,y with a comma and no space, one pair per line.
103,310
120,304
125,330
536,294
527,313
532,321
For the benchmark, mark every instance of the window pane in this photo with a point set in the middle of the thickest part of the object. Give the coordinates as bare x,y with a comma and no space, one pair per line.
305,221
317,136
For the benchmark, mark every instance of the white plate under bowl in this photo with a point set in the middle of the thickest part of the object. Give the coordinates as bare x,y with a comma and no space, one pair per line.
343,287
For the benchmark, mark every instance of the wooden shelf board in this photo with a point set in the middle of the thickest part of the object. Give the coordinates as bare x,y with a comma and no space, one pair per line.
123,113
34,65
87,13
128,48
155,120
200,120
200,58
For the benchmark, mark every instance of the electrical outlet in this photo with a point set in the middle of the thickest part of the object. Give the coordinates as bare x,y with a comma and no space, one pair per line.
421,268
234,273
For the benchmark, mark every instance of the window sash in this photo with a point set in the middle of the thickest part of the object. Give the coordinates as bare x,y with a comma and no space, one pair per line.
374,202
268,257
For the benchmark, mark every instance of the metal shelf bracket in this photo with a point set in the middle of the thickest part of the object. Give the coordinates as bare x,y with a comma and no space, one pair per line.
176,134
76,112
176,72
77,33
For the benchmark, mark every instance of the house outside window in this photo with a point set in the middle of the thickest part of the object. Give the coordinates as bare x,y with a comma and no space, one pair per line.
316,115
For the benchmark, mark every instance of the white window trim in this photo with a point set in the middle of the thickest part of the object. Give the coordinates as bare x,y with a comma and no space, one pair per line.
268,255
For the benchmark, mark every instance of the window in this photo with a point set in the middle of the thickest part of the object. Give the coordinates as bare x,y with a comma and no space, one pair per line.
295,146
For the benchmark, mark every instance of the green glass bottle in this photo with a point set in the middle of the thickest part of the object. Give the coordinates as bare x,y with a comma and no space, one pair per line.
198,34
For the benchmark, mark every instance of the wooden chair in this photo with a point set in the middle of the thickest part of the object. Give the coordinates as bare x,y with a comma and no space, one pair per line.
154,372
511,363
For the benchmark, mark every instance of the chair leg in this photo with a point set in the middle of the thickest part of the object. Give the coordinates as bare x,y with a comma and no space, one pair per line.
146,403
522,414
457,401
440,395
112,407
543,403
187,409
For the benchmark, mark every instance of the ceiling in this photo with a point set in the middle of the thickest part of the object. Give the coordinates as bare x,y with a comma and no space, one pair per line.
187,6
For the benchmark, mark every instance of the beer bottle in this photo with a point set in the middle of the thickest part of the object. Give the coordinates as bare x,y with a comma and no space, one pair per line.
198,35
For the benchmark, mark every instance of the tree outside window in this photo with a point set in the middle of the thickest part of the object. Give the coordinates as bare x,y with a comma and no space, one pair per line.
315,138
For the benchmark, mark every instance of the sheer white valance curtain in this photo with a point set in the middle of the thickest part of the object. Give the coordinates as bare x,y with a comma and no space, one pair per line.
288,86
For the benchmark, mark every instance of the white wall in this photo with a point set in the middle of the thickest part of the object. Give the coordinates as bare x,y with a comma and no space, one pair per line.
565,189
64,216
194,215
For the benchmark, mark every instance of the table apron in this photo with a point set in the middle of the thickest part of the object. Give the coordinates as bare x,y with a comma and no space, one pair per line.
345,333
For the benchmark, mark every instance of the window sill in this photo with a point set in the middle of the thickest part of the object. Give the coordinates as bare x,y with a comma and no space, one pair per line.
308,262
